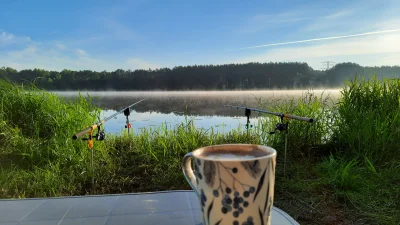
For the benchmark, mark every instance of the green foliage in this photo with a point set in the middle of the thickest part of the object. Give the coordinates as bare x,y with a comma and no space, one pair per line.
370,166
305,139
37,153
367,120
373,196
340,174
337,165
200,77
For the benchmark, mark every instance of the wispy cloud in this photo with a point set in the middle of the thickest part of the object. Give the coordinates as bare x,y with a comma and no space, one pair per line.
309,18
261,22
278,18
320,39
59,56
81,53
339,34
8,39
339,19
26,52
366,50
340,14
357,16
387,24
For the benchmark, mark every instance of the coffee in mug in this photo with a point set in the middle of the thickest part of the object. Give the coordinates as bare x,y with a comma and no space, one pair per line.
234,183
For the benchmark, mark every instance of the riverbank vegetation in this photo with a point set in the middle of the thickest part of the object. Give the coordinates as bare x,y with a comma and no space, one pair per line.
200,77
342,169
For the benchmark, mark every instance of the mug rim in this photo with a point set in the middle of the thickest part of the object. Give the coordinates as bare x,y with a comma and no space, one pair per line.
271,152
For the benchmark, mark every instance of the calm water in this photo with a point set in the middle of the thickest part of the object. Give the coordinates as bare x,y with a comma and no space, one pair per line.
170,107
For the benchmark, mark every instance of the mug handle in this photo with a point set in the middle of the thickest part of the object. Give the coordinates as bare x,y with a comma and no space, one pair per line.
188,171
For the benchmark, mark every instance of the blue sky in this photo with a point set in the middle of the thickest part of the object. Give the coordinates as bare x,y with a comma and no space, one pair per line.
141,34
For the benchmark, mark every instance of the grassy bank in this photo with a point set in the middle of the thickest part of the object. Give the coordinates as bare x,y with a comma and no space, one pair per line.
342,169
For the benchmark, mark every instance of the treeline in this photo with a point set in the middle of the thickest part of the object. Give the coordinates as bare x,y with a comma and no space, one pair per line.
200,77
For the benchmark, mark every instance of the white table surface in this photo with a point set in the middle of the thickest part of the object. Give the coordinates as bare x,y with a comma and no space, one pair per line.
166,208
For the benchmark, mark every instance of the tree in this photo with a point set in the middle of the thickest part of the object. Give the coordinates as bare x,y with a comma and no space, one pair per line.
227,77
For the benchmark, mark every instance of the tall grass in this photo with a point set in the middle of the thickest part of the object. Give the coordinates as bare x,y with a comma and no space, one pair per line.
303,138
37,154
367,120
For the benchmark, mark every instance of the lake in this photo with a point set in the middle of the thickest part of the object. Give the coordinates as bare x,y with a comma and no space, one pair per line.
173,107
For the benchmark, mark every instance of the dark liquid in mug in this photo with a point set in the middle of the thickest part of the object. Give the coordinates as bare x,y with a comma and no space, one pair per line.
233,154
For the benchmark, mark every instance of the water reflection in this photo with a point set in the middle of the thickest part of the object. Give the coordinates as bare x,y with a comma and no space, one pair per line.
170,107
197,103
141,120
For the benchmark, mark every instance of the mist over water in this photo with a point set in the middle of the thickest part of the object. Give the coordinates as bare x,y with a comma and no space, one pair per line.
170,107
216,94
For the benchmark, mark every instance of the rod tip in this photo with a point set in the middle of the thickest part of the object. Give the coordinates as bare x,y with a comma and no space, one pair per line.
311,120
74,137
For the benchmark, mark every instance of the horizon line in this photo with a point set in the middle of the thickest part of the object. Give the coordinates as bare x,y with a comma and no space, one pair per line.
193,65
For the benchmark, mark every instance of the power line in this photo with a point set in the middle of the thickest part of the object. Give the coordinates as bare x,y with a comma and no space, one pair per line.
328,64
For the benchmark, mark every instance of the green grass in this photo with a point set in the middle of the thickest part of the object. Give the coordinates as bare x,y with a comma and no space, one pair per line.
343,168
368,120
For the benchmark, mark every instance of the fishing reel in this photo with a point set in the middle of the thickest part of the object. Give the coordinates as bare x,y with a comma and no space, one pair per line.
100,136
281,126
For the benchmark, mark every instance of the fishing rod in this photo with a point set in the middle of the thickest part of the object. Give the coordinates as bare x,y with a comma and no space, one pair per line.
274,113
281,126
90,129
100,134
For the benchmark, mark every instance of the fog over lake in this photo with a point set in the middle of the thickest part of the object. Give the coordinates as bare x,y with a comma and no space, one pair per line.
170,107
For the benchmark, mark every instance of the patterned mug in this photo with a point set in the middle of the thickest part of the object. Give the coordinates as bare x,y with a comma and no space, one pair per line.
234,183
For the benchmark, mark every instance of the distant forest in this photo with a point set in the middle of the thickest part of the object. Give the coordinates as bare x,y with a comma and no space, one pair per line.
200,77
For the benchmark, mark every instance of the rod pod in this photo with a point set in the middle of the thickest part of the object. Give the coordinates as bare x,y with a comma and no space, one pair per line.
281,126
101,134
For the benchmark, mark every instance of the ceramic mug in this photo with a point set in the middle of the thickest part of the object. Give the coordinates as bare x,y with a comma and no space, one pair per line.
234,183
